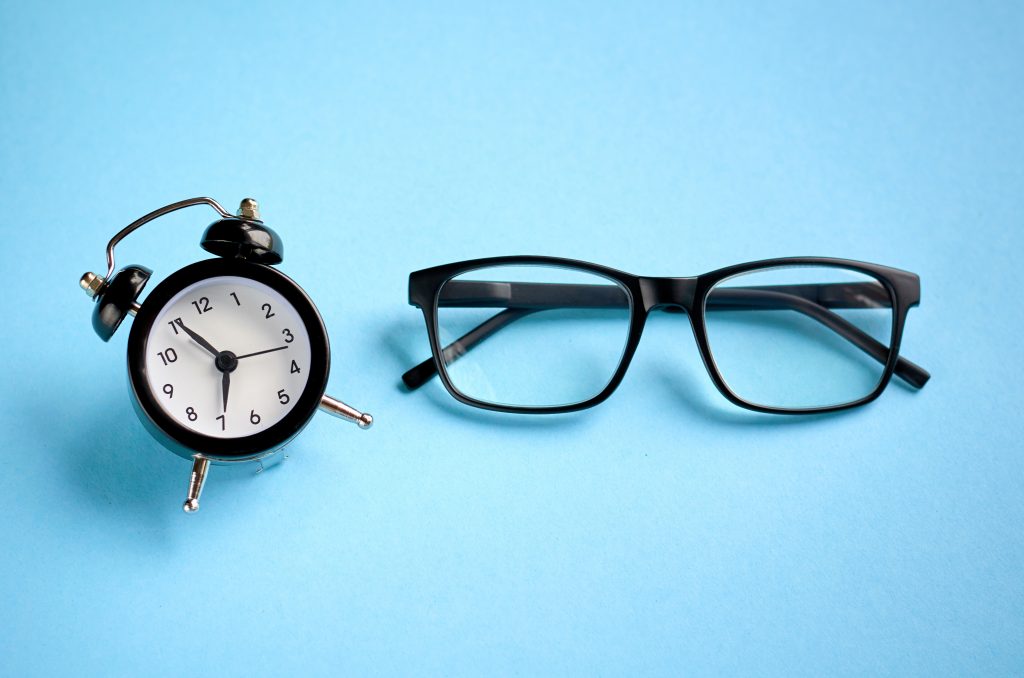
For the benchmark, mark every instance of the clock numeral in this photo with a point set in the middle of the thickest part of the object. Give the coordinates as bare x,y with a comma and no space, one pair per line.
254,418
169,390
168,356
203,305
270,314
283,397
237,302
190,412
295,368
223,421
174,325
288,338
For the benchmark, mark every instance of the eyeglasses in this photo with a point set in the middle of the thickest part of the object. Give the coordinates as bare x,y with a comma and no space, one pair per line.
545,335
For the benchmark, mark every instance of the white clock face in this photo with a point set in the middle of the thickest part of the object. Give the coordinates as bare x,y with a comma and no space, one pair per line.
230,326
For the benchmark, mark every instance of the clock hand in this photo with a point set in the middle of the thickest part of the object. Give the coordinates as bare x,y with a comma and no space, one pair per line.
269,350
199,340
226,384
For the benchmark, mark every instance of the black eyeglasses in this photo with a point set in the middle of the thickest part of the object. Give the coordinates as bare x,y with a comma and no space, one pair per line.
545,335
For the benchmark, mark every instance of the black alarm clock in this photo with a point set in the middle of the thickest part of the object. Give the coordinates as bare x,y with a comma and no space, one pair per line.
228,358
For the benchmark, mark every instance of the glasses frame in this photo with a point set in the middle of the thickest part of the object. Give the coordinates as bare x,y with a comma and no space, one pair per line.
647,294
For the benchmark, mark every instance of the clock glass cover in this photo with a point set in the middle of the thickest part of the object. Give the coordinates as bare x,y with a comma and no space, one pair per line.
227,357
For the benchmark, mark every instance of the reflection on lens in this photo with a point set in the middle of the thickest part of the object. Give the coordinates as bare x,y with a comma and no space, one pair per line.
800,337
532,336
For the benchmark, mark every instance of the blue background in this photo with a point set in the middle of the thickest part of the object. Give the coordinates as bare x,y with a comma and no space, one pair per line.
665,532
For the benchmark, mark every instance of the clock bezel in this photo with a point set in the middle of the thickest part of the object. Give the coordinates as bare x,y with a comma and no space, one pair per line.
188,443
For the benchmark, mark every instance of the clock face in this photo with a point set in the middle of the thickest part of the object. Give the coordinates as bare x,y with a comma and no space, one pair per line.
227,357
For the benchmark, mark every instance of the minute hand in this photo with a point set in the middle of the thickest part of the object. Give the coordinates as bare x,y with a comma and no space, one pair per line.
269,350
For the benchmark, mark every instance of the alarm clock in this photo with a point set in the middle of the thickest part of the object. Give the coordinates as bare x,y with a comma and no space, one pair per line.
228,358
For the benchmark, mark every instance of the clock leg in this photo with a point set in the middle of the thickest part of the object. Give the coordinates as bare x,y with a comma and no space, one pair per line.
195,484
339,409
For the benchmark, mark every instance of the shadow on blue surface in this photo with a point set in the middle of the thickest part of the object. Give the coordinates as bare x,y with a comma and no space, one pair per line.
111,470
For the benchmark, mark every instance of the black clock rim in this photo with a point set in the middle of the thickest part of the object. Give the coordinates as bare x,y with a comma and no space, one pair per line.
188,443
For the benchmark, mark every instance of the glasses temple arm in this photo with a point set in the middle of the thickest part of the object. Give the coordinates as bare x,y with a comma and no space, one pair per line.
423,372
532,297
751,298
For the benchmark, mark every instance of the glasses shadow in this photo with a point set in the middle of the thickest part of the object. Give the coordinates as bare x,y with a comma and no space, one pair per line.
683,387
396,338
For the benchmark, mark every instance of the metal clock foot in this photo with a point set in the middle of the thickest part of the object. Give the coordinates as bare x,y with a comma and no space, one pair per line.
195,484
336,408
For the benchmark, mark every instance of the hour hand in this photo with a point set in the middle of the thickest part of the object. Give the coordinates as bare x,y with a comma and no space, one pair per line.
225,383
199,340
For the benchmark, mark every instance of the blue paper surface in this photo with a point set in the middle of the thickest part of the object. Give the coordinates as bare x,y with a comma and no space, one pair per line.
665,532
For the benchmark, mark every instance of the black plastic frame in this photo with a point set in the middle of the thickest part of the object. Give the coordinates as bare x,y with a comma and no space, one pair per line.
186,442
686,294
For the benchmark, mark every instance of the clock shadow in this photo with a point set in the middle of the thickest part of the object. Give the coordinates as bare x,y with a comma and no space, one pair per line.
115,473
